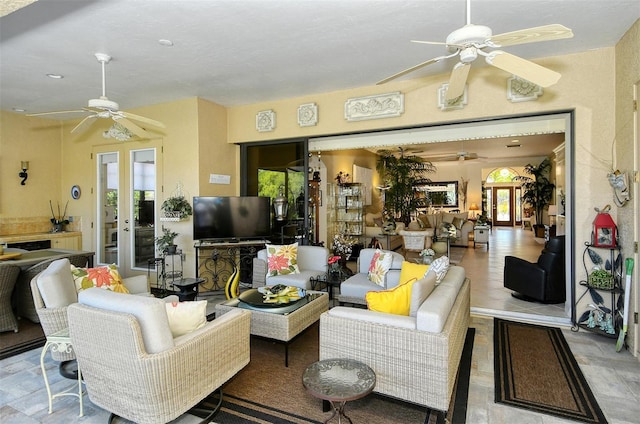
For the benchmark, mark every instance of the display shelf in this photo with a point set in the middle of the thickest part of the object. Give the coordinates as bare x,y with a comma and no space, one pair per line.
347,209
605,300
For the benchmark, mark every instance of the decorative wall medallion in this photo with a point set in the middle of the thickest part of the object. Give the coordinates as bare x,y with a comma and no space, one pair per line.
457,103
75,192
521,90
374,107
308,115
265,120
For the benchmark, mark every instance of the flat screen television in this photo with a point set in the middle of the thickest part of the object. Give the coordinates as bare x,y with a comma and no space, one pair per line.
232,217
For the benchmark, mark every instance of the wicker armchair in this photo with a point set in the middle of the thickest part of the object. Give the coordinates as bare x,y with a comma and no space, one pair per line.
8,277
53,318
135,369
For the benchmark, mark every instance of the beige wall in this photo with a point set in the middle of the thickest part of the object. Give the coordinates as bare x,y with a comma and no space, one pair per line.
627,75
37,141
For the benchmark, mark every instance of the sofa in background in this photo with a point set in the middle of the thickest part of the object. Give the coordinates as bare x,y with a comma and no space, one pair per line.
415,358
354,288
373,229
460,221
312,261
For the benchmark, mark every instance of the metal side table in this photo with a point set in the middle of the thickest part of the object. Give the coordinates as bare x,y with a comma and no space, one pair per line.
60,342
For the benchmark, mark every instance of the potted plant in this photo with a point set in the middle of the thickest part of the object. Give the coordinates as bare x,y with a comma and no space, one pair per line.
165,242
176,207
401,174
537,191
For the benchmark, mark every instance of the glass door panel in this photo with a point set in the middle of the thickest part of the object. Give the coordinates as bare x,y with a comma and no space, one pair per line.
126,213
503,206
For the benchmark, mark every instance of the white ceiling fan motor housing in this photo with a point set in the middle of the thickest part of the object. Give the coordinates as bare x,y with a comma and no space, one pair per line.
104,103
468,35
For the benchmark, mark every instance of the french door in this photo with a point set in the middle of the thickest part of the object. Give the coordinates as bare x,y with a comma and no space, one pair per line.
503,206
128,178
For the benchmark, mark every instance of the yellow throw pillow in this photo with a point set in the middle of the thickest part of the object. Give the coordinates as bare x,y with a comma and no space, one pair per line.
282,260
104,277
411,272
395,301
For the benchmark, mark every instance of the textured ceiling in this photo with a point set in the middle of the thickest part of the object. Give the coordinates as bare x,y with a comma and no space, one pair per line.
242,52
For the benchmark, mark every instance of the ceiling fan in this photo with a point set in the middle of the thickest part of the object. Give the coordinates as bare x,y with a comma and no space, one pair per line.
458,156
471,41
102,107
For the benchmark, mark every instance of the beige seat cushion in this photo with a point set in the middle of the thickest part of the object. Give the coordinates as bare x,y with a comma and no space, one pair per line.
56,285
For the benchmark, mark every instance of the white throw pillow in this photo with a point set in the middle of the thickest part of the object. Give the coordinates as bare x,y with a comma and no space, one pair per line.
440,267
185,317
379,266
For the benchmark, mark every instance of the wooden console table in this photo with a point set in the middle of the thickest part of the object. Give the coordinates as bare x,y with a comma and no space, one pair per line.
215,261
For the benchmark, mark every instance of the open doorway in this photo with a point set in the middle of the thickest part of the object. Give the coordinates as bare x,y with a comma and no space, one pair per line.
479,138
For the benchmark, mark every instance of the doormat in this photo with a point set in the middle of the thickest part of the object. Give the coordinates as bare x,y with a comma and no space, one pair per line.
535,370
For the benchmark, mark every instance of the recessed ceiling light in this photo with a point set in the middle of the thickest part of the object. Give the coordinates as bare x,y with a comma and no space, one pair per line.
55,76
515,141
165,42
17,109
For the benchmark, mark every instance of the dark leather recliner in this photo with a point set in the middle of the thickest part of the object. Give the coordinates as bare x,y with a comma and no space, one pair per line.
543,281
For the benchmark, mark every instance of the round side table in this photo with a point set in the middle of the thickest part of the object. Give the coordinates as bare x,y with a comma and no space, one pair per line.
339,381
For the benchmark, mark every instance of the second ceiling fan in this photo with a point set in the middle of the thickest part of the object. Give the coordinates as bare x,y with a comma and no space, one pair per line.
103,107
472,41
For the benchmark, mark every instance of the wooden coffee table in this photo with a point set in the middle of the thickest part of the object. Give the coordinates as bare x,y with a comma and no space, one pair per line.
339,381
282,326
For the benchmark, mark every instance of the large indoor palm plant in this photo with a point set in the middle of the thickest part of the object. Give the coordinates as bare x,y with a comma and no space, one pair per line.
401,173
537,190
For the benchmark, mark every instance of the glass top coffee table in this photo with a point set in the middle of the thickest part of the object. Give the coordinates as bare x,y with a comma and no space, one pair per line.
339,381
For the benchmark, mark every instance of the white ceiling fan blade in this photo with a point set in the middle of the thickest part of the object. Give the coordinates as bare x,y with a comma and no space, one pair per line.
84,124
435,43
523,68
142,119
140,132
531,35
415,68
55,112
457,81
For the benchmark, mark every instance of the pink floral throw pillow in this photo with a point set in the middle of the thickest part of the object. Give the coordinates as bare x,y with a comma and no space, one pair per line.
104,277
282,260
379,266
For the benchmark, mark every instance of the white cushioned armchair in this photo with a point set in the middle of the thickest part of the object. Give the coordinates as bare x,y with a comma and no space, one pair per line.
354,288
312,261
53,290
134,368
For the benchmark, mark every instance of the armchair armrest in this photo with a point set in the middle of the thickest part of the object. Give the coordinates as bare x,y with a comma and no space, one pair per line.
259,277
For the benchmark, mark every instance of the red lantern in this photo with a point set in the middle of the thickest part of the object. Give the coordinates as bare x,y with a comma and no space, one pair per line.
604,231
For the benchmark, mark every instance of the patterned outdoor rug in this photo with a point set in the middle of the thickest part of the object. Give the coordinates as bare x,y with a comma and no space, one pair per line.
535,370
267,392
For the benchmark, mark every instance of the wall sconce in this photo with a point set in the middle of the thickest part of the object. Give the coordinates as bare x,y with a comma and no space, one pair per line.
24,165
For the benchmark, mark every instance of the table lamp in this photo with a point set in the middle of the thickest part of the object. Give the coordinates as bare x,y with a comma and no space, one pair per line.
473,208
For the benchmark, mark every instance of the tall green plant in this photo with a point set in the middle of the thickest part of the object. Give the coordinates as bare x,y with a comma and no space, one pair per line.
401,173
537,190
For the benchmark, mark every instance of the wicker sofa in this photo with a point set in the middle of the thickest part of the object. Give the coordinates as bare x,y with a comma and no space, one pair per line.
415,358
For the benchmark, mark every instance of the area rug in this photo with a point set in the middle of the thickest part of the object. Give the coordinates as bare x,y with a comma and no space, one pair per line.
29,336
269,387
535,370
456,254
